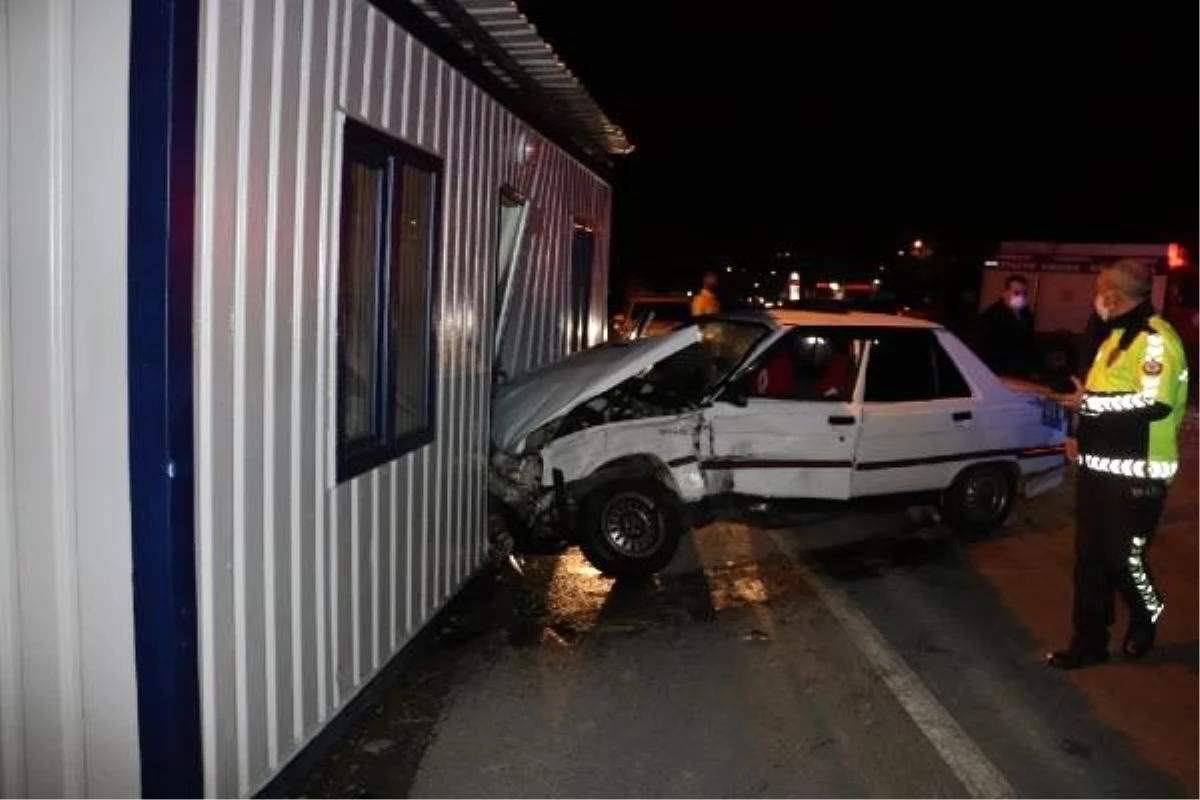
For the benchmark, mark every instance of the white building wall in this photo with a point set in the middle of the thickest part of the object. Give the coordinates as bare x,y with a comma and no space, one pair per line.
68,706
307,588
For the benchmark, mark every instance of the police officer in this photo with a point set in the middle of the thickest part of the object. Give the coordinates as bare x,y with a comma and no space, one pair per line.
1130,410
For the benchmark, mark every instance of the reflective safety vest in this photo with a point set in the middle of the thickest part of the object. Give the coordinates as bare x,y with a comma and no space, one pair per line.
1134,402
704,303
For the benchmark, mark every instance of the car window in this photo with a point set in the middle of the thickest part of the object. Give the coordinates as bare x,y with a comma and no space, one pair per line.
950,380
808,365
910,366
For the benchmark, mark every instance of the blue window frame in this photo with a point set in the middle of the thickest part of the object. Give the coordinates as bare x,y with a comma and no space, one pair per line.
386,318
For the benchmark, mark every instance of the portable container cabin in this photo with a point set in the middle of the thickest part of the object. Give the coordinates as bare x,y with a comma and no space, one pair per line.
260,261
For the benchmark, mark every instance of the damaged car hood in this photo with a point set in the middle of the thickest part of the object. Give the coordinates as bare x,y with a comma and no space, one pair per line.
535,399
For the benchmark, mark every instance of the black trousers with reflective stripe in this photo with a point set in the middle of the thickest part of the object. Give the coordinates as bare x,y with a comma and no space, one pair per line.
1112,512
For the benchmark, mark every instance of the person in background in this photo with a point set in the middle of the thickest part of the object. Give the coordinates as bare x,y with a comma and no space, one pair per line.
1005,338
705,301
1130,412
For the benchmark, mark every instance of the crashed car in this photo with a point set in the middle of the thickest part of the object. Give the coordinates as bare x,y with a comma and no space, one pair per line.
624,447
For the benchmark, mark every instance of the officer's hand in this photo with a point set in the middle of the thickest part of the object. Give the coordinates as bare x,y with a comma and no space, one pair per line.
1072,448
1073,399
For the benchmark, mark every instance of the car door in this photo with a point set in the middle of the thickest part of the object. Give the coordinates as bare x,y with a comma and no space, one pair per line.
787,427
919,423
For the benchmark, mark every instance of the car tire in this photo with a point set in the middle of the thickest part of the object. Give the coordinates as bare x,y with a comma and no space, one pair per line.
980,499
630,527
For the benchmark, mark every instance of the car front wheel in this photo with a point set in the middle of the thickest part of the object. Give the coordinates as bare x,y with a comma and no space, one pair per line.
980,499
630,527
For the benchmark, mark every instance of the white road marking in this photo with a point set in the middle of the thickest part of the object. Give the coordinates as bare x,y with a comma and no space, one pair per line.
978,774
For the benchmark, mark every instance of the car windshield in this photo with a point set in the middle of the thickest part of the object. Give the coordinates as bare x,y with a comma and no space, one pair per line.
697,370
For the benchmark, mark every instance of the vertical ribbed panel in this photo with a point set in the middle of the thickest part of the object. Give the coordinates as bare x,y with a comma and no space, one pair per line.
308,587
68,693
12,734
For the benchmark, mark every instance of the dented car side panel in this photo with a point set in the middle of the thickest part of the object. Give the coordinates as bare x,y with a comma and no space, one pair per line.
671,442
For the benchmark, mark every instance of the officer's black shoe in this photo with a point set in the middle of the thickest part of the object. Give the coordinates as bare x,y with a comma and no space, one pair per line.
1076,658
1139,639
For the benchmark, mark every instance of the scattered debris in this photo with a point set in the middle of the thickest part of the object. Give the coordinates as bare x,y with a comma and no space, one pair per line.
618,628
551,636
378,746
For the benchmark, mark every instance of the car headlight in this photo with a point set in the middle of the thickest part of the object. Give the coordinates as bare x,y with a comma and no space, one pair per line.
543,436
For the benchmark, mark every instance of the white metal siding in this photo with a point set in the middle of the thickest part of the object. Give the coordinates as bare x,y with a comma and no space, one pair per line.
307,588
68,705
12,745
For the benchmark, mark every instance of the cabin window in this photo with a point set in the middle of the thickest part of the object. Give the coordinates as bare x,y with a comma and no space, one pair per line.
387,272
514,212
583,254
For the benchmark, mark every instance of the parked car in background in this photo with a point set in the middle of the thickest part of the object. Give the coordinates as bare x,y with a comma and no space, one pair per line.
624,447
652,315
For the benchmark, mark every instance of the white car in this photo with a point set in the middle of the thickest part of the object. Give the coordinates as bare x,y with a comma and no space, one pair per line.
622,448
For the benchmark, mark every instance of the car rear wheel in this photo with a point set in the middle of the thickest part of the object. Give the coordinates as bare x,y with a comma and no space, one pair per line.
980,499
630,527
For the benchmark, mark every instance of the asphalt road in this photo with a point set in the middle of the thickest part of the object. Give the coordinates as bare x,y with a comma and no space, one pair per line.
863,656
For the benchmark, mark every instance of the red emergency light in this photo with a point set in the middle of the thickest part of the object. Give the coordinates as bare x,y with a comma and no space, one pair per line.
1176,256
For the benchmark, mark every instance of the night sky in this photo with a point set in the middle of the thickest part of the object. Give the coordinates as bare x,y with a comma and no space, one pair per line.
841,132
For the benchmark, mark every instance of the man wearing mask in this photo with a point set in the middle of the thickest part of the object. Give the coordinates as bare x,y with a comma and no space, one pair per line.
1130,411
1005,338
705,302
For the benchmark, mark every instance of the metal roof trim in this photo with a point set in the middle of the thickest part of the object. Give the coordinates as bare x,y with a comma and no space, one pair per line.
509,30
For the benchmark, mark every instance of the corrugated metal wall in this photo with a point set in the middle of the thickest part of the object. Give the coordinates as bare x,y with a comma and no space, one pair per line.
12,756
68,705
306,588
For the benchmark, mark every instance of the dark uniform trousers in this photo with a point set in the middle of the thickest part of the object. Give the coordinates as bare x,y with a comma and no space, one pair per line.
1116,519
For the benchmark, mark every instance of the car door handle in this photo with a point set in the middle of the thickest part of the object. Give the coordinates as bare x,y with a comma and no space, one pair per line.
961,416
838,420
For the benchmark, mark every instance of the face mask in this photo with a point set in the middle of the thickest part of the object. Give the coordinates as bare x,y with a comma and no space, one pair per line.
1101,308
1016,302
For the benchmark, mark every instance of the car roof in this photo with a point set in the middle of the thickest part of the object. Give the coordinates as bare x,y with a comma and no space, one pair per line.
850,319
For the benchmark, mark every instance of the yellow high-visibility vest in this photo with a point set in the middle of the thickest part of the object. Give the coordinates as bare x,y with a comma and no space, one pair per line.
1119,431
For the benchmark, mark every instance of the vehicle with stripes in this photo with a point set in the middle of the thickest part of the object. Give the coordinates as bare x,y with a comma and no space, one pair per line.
624,447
